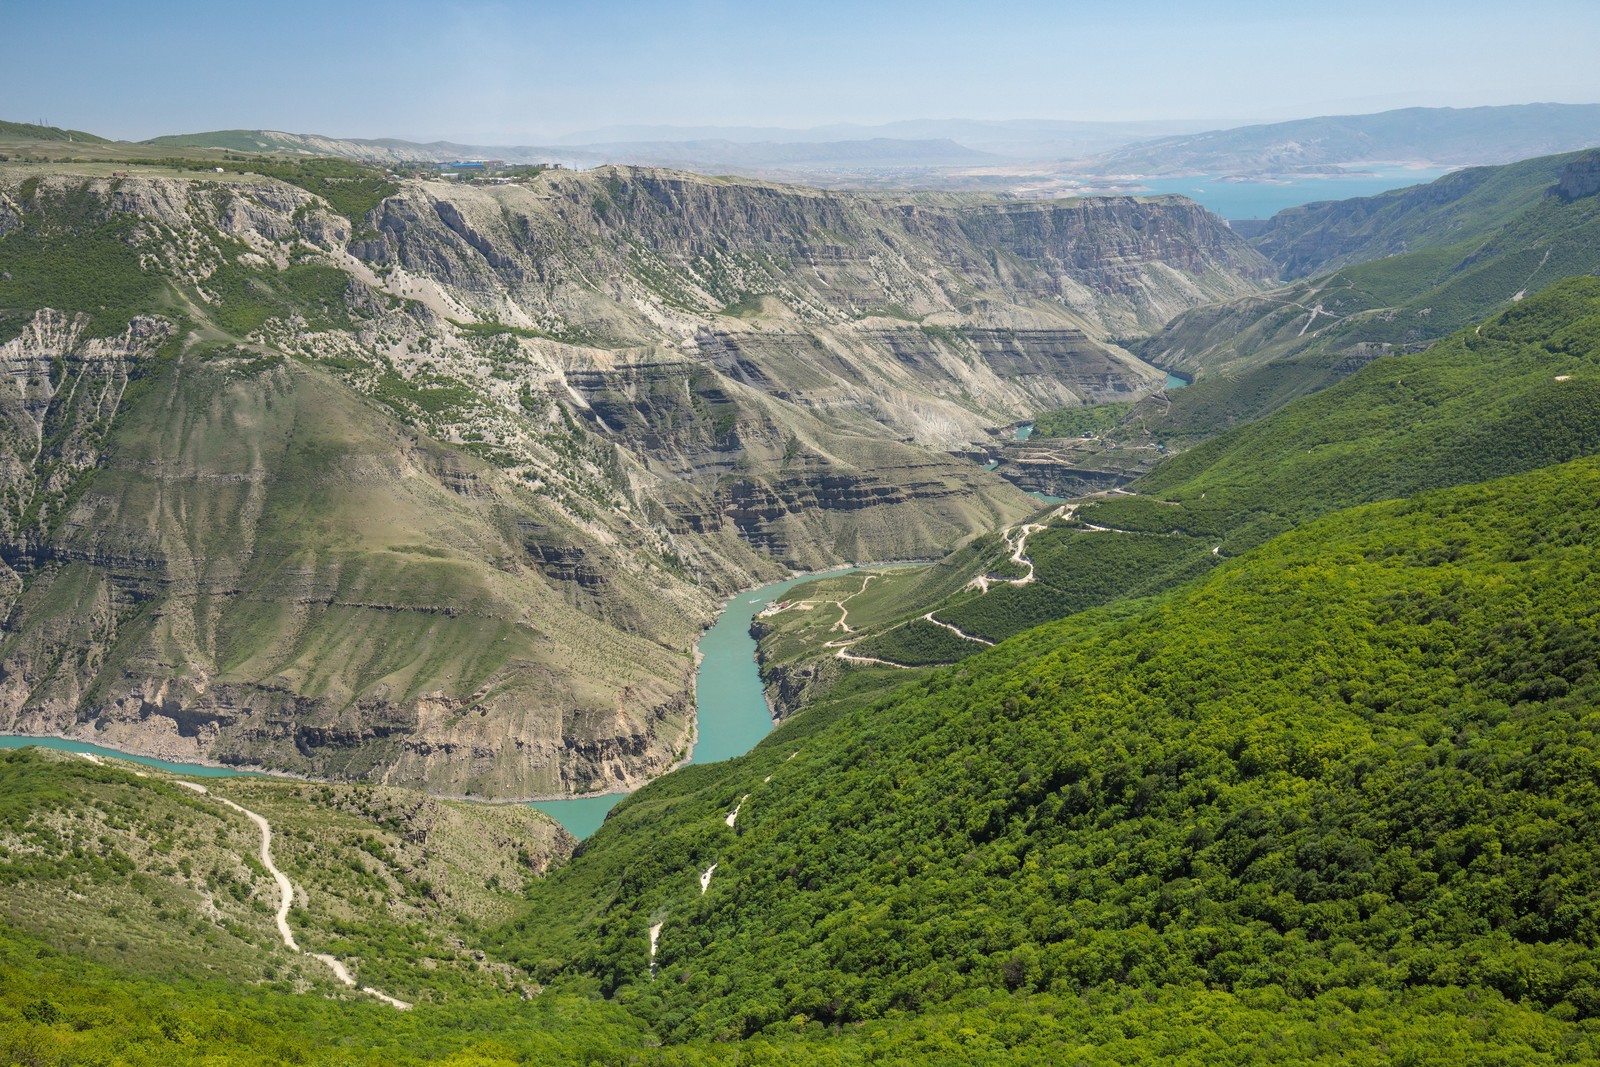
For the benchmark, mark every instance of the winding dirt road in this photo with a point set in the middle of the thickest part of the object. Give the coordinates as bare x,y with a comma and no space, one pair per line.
958,631
286,900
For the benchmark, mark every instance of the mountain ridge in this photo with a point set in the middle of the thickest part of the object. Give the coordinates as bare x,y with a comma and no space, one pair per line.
437,483
1469,136
1330,801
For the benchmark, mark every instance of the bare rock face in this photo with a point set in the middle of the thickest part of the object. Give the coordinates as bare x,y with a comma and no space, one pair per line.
49,446
1580,178
447,504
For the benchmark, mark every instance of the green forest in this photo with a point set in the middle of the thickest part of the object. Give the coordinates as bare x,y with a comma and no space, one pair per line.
1286,756
1519,392
1360,759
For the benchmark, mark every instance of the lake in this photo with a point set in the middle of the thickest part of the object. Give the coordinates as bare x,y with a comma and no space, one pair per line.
1263,199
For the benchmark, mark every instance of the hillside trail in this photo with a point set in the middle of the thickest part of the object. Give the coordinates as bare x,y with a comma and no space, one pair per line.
871,660
957,630
844,612
1017,538
839,646
286,900
1019,554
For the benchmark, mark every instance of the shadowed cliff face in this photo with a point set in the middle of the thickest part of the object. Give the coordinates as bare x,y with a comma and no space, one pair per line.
443,497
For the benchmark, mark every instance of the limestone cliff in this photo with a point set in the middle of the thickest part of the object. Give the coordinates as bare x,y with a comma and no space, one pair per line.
442,494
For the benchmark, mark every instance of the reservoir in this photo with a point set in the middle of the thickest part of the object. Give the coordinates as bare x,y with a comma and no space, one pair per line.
1175,382
731,705
1262,198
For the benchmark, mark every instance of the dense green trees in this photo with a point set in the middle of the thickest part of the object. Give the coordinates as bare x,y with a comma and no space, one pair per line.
1328,795
1077,569
1361,759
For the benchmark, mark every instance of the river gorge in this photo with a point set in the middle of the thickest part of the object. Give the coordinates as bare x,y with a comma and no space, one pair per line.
732,715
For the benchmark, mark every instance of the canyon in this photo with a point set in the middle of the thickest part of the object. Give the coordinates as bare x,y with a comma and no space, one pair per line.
436,485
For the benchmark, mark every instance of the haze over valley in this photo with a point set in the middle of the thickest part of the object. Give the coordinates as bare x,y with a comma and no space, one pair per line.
532,535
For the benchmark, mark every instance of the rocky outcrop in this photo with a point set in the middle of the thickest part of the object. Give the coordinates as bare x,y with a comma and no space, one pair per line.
60,388
1580,178
446,504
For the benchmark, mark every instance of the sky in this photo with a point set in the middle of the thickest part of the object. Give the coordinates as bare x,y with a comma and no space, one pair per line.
522,73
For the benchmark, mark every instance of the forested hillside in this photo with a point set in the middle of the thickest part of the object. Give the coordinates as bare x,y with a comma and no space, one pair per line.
1358,759
1465,204
1382,275
1517,392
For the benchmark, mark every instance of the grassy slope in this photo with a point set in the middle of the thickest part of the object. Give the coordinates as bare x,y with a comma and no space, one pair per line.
1356,760
135,872
234,140
28,131
1462,260
1481,404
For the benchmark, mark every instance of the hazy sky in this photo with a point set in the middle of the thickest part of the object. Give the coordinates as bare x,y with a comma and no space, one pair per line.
519,72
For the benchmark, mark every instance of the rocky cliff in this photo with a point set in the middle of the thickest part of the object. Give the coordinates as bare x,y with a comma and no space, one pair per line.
1579,178
441,492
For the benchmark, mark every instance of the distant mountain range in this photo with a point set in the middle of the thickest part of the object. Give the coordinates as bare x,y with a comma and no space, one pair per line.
925,141
702,154
1029,139
1439,135
1433,135
1031,157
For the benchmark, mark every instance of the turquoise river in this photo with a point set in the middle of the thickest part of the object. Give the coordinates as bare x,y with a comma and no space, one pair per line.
732,708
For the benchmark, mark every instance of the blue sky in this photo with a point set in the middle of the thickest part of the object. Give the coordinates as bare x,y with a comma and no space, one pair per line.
521,72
